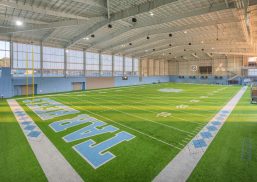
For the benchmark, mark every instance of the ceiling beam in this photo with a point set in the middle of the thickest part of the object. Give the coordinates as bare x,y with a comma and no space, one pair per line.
173,30
12,19
97,3
209,45
39,10
89,31
48,34
135,10
197,12
64,23
141,8
162,42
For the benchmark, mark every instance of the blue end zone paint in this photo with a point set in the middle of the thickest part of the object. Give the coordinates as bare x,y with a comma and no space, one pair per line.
220,118
95,154
68,123
216,123
206,134
34,134
211,128
90,131
26,122
30,127
199,143
225,112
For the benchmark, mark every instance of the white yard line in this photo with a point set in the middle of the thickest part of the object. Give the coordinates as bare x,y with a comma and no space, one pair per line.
54,165
139,117
180,168
140,102
118,123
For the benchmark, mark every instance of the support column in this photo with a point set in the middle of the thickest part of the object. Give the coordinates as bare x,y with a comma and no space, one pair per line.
140,67
84,62
123,59
148,67
154,67
100,64
112,65
65,62
133,74
177,70
11,54
159,67
41,59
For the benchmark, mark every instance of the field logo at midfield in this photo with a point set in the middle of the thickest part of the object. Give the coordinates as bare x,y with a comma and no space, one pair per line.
47,108
163,114
170,90
95,154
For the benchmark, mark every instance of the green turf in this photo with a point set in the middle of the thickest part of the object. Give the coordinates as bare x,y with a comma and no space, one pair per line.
17,161
232,155
134,109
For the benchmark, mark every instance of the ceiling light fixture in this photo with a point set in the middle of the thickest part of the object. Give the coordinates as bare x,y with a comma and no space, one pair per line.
134,20
151,13
19,23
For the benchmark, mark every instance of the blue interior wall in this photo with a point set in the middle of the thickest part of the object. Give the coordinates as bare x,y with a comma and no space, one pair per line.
11,86
210,80
47,85
135,80
53,85
6,83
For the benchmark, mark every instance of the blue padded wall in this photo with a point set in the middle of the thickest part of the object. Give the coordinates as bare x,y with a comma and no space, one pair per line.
134,80
6,83
210,80
48,85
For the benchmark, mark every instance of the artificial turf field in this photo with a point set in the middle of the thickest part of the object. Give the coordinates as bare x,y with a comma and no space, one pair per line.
158,139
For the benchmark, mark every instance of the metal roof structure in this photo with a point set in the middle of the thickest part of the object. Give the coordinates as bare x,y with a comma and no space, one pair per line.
164,28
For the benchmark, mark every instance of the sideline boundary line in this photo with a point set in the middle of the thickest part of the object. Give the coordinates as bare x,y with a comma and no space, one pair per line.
52,162
181,167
